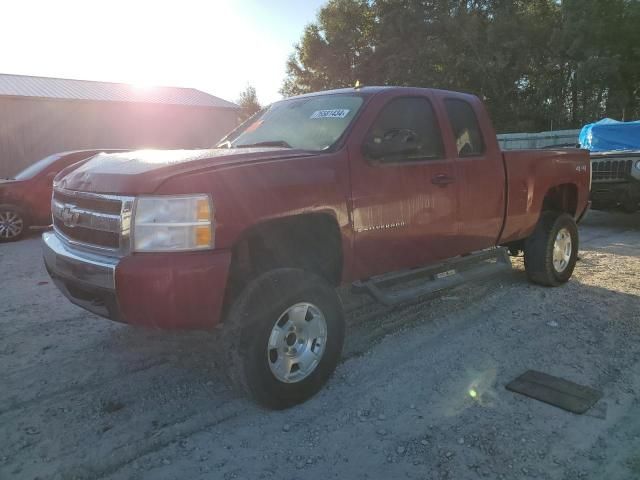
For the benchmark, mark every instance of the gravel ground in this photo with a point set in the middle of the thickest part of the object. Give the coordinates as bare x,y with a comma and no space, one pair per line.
81,397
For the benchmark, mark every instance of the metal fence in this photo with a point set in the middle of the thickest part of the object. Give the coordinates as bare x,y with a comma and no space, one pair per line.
510,141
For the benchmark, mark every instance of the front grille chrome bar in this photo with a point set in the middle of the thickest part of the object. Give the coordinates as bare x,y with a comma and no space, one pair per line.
94,222
73,216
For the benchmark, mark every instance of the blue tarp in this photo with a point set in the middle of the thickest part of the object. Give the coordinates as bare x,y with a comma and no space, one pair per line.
609,134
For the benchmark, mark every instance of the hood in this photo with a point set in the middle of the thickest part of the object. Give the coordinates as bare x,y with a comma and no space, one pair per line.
143,171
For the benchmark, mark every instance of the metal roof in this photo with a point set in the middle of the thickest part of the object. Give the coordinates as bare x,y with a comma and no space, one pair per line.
67,89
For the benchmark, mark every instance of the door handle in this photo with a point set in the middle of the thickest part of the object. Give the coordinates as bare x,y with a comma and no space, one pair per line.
442,179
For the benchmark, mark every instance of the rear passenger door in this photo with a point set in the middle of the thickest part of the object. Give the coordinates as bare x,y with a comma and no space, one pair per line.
480,173
403,205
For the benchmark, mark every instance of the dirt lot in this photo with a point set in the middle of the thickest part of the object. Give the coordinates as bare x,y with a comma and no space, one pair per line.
81,397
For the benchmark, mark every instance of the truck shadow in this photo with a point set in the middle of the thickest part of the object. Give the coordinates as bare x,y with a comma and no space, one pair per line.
200,356
190,377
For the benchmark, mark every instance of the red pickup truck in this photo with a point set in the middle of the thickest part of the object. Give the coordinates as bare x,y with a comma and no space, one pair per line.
312,192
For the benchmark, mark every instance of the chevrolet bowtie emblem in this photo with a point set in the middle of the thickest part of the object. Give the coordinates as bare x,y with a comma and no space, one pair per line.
70,216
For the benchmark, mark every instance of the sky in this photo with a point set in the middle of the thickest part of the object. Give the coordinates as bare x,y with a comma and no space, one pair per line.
218,46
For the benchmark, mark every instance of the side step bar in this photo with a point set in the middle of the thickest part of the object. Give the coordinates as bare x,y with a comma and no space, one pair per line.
426,280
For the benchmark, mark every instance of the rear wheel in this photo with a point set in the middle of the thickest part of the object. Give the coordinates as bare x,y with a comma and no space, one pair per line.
287,332
12,223
550,253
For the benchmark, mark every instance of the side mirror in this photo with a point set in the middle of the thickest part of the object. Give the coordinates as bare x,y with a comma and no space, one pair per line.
393,143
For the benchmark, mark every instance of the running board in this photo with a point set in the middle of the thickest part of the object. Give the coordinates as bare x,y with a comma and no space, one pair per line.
448,274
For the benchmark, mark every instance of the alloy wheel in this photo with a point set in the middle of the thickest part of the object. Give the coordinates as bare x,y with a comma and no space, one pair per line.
562,250
11,224
297,342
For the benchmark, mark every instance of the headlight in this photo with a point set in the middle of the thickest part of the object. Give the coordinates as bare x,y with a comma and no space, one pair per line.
173,223
638,164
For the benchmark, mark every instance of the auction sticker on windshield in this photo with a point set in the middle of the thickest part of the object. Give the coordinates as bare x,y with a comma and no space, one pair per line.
335,113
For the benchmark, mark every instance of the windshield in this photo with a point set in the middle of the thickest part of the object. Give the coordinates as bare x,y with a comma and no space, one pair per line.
32,170
313,123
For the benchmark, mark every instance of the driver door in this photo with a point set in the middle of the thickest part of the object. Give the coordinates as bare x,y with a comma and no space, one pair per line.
404,190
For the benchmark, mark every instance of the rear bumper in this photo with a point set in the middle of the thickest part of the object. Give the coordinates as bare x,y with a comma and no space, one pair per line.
174,290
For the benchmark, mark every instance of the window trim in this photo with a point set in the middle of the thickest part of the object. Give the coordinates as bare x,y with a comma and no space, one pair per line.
410,161
483,152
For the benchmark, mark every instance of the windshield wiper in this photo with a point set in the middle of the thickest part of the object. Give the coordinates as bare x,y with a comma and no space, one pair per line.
268,143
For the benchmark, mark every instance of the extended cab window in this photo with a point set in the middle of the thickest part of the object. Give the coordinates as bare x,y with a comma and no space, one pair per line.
312,123
466,130
405,130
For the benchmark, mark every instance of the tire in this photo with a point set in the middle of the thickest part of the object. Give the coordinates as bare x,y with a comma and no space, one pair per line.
13,223
261,340
541,265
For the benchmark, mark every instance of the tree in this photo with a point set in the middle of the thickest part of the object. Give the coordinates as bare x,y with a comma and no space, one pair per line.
248,102
601,51
333,50
537,64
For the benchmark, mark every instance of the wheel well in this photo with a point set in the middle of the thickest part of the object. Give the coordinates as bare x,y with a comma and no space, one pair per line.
310,242
562,198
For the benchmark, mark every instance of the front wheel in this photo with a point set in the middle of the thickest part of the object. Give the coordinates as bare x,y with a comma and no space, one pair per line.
550,253
12,223
288,328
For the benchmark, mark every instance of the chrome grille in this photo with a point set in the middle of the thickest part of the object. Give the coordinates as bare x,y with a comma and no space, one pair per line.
93,221
603,170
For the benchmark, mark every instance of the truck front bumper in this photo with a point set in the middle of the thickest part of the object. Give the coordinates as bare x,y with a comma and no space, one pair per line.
164,290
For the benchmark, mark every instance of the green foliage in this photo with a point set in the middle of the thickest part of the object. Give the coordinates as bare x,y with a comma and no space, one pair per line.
332,50
538,64
248,102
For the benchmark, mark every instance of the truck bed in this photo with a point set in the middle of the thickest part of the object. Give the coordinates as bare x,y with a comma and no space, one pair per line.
529,174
